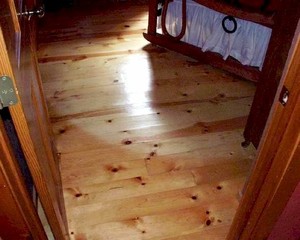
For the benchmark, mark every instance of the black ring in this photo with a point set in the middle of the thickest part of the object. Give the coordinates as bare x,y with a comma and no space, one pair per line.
230,18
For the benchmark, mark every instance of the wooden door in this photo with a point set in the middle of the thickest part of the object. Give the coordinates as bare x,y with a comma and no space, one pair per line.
30,117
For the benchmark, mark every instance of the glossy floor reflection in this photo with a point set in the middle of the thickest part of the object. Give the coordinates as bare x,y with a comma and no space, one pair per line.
149,139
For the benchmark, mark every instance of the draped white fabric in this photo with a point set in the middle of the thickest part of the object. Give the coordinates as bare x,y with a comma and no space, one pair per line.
248,44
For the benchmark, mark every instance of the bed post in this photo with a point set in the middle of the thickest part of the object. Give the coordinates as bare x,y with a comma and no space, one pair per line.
285,24
152,20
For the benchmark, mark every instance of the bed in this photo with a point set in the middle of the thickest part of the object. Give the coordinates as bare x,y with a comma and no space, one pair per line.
208,31
276,22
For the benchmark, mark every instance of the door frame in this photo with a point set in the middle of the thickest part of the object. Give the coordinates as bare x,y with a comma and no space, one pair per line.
51,206
274,176
272,180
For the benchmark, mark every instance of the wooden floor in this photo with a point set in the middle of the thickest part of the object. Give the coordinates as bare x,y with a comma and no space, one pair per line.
149,139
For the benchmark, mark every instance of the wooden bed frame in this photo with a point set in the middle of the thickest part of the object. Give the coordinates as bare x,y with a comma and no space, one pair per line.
283,24
215,59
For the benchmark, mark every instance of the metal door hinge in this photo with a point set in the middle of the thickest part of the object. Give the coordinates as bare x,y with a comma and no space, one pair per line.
284,96
40,12
8,95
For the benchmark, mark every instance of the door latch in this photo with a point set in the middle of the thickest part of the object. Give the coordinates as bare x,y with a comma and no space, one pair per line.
8,95
284,96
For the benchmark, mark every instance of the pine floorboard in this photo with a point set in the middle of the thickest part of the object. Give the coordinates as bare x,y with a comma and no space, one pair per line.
149,140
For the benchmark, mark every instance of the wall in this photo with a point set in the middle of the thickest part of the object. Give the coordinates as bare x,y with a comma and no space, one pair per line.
288,224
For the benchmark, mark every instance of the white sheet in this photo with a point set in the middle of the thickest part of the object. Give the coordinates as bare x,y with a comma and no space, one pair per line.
204,29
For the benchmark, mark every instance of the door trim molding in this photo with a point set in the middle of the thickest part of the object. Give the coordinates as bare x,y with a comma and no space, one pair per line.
273,177
14,178
50,205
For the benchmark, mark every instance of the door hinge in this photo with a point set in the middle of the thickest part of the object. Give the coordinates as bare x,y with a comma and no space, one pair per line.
284,96
8,95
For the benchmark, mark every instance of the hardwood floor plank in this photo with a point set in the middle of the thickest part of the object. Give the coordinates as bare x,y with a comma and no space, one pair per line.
81,194
161,157
194,159
98,173
95,133
92,47
119,210
213,233
126,188
152,57
76,24
189,223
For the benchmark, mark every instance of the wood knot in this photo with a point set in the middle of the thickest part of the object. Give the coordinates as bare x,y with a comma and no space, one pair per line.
78,195
61,131
114,169
208,222
205,129
194,197
127,142
219,187
152,154
136,219
79,58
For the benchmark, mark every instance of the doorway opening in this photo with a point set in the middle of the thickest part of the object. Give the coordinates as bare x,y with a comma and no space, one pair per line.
149,140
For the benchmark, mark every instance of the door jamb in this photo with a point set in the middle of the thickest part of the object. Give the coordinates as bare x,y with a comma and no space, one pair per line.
15,181
273,177
51,207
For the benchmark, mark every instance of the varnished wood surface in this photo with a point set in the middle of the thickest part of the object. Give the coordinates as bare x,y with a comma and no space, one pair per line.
214,59
18,60
276,57
261,206
239,12
19,219
13,224
149,140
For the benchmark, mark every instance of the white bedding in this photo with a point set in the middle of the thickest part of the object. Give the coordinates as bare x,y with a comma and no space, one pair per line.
204,29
